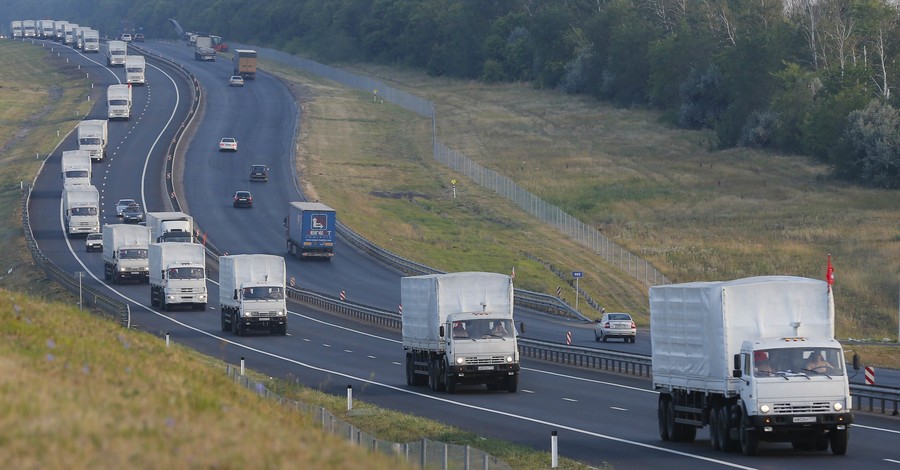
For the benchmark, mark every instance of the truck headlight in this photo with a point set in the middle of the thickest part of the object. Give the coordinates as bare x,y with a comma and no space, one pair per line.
764,408
280,313
121,268
460,360
838,406
202,296
509,359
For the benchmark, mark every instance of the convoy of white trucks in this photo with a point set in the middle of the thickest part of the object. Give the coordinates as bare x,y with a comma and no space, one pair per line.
126,252
70,34
134,69
76,167
90,40
252,294
458,329
29,28
170,227
81,206
118,102
736,355
116,51
16,29
92,136
178,275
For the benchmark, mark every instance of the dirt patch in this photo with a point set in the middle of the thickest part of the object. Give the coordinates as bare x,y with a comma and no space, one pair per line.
409,195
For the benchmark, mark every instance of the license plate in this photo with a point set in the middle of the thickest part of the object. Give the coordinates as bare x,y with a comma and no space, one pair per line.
804,419
263,319
485,367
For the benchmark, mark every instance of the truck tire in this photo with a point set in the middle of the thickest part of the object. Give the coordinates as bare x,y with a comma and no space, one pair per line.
662,418
714,428
222,319
749,438
450,383
236,326
154,299
409,370
434,376
106,272
839,439
512,383
726,443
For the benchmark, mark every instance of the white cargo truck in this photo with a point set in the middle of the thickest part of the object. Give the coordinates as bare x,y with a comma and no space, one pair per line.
71,29
118,102
79,37
458,329
134,69
742,357
251,293
81,206
170,227
116,51
93,136
60,31
45,29
90,40
29,28
76,167
178,275
16,29
125,252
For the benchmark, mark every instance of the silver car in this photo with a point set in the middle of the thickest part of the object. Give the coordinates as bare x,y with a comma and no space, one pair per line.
122,204
94,242
615,325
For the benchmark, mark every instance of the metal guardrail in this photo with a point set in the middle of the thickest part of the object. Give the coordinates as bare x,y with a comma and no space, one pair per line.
871,394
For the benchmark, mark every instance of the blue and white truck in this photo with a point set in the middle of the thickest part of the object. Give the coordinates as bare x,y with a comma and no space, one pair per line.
311,230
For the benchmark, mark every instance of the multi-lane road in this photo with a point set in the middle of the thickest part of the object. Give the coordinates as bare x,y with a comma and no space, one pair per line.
599,417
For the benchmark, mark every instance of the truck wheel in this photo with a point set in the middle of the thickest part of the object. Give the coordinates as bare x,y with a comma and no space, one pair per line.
662,418
822,444
512,383
749,439
154,301
284,330
839,440
409,370
450,383
713,428
726,443
672,428
106,273
235,326
222,319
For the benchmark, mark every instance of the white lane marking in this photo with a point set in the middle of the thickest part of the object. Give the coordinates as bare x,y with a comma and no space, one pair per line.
617,408
371,357
602,382
892,460
326,345
348,351
873,428
570,399
306,339
396,363
527,391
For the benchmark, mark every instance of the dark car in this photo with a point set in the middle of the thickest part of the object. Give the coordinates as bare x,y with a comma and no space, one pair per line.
242,199
139,37
133,214
259,173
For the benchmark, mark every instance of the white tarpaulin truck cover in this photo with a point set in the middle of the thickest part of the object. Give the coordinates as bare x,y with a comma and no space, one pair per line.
697,328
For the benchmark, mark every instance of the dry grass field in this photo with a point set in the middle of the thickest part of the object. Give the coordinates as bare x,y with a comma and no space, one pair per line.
695,212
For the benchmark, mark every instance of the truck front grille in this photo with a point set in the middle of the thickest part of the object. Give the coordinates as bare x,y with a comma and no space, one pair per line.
264,314
486,360
794,408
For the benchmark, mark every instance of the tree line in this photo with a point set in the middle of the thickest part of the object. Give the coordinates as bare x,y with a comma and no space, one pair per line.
805,77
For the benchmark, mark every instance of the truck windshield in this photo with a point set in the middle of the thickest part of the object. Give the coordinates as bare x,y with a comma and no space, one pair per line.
135,69
77,174
482,328
89,141
133,253
84,211
186,273
118,102
179,237
798,360
263,293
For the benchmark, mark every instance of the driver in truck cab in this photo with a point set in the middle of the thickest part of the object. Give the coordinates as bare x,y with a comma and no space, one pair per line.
459,330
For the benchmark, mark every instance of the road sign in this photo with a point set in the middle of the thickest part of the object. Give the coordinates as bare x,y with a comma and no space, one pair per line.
870,376
577,274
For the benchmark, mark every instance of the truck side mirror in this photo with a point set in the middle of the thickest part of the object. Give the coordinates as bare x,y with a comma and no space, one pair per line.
855,361
737,365
235,294
441,331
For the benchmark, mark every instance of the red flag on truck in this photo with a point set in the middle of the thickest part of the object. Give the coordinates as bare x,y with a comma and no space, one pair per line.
829,274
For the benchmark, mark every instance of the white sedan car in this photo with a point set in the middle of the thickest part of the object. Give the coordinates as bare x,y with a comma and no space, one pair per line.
615,325
236,80
228,144
122,204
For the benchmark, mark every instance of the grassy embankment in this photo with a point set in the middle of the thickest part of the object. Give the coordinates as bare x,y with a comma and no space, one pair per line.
665,194
96,395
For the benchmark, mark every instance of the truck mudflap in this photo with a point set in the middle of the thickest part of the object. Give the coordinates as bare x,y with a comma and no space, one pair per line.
788,427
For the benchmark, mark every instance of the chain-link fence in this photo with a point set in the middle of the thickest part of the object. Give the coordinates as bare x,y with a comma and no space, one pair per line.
584,234
425,453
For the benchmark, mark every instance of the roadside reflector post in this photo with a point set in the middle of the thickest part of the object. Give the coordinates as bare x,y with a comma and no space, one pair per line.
242,365
554,450
349,397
